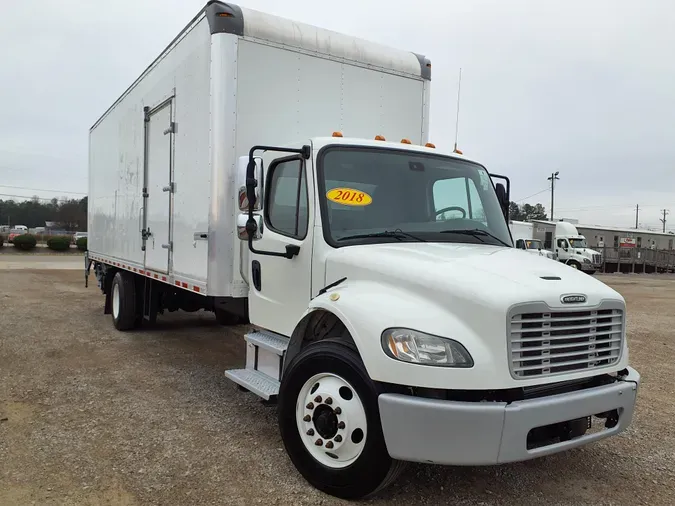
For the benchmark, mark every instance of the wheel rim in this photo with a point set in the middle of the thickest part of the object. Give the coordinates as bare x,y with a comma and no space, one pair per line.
116,300
574,266
331,420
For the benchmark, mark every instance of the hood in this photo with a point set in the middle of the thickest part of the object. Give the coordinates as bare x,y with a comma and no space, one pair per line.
492,276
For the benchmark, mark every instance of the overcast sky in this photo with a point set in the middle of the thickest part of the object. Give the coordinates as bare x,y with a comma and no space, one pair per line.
585,88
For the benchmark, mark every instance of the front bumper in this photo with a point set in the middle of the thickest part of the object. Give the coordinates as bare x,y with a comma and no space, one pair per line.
483,433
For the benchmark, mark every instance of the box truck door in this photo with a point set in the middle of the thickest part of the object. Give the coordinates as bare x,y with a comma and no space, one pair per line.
280,287
157,209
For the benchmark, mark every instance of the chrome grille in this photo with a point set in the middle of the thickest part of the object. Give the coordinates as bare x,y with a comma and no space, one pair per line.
559,342
596,259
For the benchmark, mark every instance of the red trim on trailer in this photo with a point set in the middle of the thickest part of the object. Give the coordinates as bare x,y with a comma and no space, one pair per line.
145,272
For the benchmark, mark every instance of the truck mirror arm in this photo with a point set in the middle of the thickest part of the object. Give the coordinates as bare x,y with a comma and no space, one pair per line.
251,183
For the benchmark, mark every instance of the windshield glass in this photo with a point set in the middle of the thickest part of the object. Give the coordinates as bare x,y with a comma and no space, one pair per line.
532,244
420,197
577,242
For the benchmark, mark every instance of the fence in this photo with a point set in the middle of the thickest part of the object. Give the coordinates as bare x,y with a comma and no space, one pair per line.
637,260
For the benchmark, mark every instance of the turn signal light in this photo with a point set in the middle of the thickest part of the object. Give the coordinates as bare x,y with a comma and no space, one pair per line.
337,134
430,145
405,141
459,152
380,138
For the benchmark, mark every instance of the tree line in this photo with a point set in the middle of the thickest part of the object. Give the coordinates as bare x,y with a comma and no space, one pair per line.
70,214
527,212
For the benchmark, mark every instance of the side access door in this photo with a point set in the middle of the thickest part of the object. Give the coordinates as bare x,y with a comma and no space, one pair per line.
280,288
158,188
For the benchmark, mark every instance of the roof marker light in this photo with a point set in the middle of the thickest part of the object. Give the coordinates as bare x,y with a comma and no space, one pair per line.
337,134
380,138
405,141
430,145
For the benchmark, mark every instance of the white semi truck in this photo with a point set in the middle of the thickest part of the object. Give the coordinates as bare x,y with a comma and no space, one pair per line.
568,245
246,172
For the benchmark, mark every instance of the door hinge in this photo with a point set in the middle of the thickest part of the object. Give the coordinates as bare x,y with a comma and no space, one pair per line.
145,194
171,129
168,246
170,188
145,233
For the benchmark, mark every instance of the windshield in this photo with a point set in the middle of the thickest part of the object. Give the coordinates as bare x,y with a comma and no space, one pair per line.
531,244
410,196
578,242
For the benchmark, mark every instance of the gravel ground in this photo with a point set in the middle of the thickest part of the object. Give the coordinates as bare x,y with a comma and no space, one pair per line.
93,416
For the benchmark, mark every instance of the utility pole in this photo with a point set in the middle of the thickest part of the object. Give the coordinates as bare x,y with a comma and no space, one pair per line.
637,211
552,179
663,220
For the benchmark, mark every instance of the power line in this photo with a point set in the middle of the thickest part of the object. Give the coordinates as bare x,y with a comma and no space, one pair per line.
40,189
534,194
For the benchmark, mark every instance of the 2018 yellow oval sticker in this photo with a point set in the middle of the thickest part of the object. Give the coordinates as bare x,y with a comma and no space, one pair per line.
349,197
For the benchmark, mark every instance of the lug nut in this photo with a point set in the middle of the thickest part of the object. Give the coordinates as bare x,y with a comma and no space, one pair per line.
317,398
310,406
329,445
338,438
310,432
329,401
341,425
307,418
318,442
338,411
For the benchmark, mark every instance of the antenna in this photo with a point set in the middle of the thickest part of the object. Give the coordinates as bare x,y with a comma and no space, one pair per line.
459,89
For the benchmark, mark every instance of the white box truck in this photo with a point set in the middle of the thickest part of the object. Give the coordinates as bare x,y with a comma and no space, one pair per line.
522,233
246,172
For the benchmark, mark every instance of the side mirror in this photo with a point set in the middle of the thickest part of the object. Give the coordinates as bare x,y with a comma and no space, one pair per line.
242,198
242,232
503,199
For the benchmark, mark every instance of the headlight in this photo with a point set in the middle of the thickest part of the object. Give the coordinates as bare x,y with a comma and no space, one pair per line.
417,347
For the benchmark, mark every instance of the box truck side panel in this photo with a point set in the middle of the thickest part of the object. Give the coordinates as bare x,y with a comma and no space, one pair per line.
287,96
175,89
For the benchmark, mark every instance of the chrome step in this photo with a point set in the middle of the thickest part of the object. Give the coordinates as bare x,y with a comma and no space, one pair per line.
255,381
269,341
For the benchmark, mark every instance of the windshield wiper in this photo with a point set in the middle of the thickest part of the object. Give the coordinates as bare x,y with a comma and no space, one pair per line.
396,234
476,232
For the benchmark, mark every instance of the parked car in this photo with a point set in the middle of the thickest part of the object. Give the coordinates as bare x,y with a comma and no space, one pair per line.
77,235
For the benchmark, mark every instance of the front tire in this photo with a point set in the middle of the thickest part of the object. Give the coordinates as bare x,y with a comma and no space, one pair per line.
330,422
123,301
574,265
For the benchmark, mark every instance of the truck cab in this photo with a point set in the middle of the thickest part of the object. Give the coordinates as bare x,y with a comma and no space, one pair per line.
389,295
572,249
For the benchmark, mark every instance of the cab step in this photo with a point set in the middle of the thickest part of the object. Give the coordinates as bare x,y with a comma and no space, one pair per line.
254,381
265,353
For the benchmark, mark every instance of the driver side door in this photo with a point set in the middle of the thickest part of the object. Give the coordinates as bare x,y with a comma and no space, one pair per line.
280,288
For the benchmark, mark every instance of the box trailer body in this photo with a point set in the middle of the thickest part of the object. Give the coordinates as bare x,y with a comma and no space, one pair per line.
162,158
280,174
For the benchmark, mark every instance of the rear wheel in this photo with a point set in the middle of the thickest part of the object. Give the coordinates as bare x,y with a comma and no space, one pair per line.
123,301
330,422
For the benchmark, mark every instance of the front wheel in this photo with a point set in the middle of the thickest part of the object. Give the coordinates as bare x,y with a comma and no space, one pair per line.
574,264
330,423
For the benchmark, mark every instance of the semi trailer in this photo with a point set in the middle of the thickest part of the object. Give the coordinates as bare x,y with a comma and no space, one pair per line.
281,175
